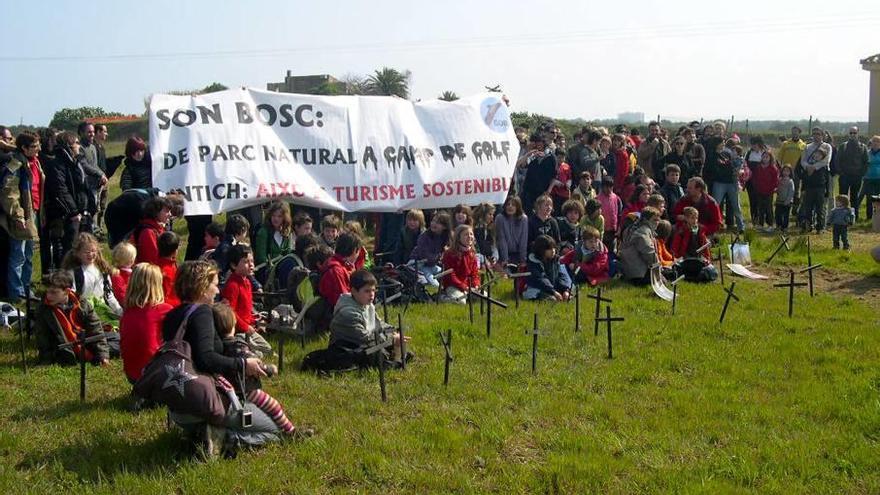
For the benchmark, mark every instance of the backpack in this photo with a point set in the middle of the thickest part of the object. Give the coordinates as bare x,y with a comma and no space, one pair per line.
171,379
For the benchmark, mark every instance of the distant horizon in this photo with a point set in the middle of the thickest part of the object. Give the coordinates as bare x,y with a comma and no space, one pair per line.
774,60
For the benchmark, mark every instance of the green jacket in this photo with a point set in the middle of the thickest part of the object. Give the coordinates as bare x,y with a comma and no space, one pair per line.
266,248
15,199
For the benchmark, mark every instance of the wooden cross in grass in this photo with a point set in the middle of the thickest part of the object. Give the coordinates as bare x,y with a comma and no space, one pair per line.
674,285
514,277
730,295
810,266
783,243
720,260
487,298
608,320
599,300
534,332
791,285
376,350
447,347
82,341
402,341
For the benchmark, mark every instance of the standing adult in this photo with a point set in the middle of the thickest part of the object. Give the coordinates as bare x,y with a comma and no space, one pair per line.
584,157
852,164
137,172
814,164
790,152
871,184
95,178
46,156
66,196
696,196
196,285
20,192
540,171
678,156
753,160
108,166
651,152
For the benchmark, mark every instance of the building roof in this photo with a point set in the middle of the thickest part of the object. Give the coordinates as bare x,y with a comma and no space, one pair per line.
872,60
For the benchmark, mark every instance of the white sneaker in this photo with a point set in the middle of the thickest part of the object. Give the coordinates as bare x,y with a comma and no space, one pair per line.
770,229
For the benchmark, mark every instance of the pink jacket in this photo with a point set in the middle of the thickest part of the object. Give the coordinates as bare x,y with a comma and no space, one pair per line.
611,207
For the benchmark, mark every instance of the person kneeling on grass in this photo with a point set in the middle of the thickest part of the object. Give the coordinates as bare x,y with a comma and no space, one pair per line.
462,260
591,256
236,346
689,237
548,278
638,252
356,325
61,318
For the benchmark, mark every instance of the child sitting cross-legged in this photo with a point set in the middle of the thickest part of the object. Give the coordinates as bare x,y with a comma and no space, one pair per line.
236,346
664,235
238,293
429,247
356,325
688,239
588,262
548,278
213,238
61,318
168,244
569,225
123,257
462,260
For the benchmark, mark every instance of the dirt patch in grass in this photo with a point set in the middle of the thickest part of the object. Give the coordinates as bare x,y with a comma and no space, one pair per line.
828,281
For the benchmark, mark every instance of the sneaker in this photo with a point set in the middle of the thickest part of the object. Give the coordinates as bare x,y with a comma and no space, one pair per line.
213,439
301,433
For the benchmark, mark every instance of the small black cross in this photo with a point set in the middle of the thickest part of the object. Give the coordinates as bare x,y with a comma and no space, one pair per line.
534,332
783,243
490,301
791,285
447,347
514,277
377,349
402,341
81,341
720,260
674,285
730,295
809,271
599,300
608,320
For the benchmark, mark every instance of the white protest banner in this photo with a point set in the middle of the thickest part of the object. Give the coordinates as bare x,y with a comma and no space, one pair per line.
239,147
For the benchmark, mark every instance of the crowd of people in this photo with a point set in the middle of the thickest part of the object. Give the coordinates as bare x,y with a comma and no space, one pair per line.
615,204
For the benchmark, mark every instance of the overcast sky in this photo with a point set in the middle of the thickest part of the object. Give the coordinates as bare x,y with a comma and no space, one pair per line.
566,58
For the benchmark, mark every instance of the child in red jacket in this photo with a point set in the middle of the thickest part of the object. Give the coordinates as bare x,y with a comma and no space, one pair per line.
238,294
168,244
765,180
588,262
687,241
140,329
462,260
124,255
336,272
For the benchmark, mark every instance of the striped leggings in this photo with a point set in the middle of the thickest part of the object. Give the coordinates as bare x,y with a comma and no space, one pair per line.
272,407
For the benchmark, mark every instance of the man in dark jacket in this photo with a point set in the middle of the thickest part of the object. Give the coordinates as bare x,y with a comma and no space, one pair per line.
852,163
584,156
540,171
66,194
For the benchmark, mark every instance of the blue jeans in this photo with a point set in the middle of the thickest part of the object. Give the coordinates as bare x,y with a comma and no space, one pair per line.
720,190
20,267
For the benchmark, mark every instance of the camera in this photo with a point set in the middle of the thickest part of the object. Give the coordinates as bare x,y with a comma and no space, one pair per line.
247,419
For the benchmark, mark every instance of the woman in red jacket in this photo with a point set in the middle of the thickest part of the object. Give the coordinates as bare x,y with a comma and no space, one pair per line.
140,329
462,260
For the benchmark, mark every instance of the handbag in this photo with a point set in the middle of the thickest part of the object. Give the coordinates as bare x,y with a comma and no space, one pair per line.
171,379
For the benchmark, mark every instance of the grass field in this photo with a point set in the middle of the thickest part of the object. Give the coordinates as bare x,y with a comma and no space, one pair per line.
762,403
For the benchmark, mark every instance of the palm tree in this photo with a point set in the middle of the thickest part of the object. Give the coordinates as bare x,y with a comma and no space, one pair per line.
448,96
389,82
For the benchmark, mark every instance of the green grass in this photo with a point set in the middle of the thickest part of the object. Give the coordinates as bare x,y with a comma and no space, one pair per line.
762,403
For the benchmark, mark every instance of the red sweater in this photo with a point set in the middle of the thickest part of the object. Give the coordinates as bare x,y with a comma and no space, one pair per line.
595,270
684,245
710,213
765,180
464,269
147,242
120,284
169,275
140,333
335,279
239,294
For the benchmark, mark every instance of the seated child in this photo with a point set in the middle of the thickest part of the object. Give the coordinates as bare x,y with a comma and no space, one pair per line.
213,237
588,262
671,189
484,234
302,224
409,235
664,234
91,276
688,238
462,260
363,260
238,293
237,347
356,324
542,222
168,244
330,230
593,215
337,270
584,189
274,237
235,232
140,329
429,248
123,258
560,186
462,215
61,317
548,278
569,225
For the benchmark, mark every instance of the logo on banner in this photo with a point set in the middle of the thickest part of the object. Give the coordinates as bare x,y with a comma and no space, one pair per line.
495,114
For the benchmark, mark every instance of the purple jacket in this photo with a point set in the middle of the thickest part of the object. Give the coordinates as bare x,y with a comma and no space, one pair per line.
429,247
